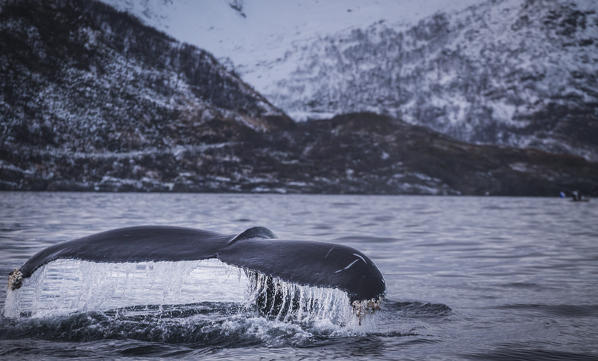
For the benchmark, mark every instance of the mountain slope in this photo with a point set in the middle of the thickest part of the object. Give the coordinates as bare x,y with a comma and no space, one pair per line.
81,68
80,80
513,72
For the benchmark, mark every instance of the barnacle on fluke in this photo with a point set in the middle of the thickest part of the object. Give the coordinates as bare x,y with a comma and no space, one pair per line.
15,279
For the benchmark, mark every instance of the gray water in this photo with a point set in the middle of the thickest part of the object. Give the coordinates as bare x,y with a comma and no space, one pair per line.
467,278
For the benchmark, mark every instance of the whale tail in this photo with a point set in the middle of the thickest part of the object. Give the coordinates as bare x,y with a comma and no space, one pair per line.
308,263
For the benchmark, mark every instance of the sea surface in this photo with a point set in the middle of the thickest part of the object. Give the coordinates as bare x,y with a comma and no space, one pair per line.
470,278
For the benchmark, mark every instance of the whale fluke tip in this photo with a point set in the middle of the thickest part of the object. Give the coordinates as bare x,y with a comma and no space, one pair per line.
15,279
361,308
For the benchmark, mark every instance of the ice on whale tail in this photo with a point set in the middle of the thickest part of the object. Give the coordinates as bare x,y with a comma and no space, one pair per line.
255,250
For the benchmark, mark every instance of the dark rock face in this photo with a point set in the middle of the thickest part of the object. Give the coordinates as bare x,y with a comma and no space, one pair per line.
93,100
355,153
366,153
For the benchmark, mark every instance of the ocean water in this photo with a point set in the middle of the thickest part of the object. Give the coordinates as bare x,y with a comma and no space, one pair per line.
472,278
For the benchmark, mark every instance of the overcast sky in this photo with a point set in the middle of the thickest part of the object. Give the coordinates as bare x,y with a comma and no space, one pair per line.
271,25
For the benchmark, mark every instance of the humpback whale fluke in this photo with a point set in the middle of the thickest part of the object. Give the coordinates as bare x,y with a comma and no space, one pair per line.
255,250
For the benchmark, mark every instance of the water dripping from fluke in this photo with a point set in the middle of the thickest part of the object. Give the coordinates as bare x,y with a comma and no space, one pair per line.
175,289
285,301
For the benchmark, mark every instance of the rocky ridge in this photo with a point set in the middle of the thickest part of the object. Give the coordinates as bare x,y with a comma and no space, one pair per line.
353,153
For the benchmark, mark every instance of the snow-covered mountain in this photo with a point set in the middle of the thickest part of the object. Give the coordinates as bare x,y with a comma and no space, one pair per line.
91,99
514,72
509,72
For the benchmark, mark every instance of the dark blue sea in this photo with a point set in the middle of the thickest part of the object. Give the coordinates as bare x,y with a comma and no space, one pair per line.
468,278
